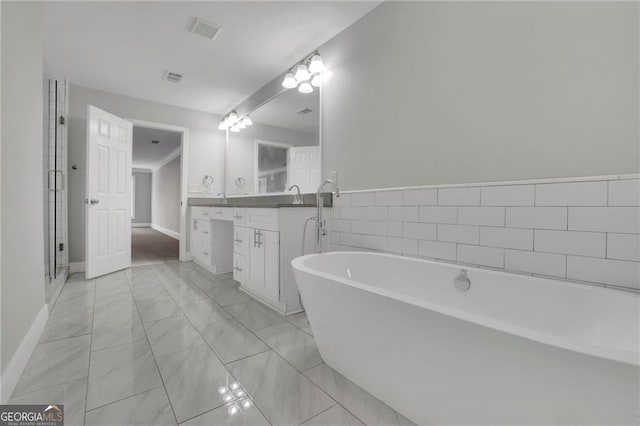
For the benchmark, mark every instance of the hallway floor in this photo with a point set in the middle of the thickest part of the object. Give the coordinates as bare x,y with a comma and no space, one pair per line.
149,246
171,343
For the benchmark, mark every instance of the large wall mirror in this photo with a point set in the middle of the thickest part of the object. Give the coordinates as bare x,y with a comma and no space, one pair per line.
280,149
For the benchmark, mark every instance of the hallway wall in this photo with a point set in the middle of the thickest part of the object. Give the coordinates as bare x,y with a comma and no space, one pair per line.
165,201
142,197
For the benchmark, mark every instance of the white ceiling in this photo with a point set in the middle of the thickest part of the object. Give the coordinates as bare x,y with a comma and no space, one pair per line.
147,155
283,111
126,47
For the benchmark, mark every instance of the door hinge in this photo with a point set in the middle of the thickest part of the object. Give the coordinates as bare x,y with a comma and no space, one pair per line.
62,119
61,247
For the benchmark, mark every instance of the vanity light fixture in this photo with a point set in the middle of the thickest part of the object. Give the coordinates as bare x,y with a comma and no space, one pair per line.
302,73
289,81
309,69
234,122
316,65
316,81
305,87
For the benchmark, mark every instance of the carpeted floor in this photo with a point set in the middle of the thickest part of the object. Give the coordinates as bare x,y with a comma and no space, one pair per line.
149,246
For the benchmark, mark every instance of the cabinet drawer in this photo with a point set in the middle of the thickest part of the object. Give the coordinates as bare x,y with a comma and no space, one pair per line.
222,213
199,212
239,216
240,268
241,237
263,219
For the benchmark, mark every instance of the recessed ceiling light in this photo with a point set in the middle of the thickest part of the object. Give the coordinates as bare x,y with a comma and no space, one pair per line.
173,77
155,142
204,29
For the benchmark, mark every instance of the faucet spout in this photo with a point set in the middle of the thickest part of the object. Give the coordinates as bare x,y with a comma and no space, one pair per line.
224,197
297,198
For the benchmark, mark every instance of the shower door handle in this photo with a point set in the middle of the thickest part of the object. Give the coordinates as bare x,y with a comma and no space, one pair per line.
50,181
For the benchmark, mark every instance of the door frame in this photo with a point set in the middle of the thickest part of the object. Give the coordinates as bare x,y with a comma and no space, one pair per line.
183,255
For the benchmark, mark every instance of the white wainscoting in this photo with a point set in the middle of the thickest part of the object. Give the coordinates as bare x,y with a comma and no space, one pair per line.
581,229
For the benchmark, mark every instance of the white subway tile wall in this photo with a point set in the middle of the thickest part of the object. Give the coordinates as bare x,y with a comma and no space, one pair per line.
586,231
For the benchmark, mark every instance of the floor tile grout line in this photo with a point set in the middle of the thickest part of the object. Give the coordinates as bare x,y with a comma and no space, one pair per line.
144,329
123,399
320,413
283,359
210,348
93,314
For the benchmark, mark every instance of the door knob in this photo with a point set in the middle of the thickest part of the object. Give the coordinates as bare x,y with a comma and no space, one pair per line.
94,201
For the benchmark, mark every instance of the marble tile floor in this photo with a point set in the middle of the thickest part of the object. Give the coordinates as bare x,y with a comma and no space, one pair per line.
170,343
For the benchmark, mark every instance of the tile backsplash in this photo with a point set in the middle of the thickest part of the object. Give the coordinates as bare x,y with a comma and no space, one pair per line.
583,229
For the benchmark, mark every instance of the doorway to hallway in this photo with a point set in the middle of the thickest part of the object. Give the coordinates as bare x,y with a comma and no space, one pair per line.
149,246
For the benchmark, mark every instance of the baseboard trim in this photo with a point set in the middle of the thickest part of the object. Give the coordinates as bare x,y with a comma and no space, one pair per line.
20,358
75,267
169,232
141,225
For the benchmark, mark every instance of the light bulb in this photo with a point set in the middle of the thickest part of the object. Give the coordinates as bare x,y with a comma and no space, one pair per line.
316,64
234,386
233,117
233,410
246,403
317,80
247,121
222,125
305,87
235,128
241,124
222,390
227,398
289,81
302,73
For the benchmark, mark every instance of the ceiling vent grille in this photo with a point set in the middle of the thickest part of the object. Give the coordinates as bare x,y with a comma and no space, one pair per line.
304,111
173,77
204,29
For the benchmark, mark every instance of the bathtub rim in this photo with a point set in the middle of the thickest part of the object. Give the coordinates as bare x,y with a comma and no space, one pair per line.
611,354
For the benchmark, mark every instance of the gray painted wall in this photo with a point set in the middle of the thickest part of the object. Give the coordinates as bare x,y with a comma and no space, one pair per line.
206,146
143,198
22,267
165,210
452,92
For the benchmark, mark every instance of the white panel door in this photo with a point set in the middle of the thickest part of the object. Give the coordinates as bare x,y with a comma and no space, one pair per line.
108,202
303,167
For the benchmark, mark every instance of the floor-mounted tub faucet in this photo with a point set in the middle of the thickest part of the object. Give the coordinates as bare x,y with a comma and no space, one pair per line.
321,229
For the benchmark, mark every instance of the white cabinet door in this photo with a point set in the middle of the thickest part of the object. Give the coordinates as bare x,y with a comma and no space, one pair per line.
264,264
240,268
205,241
256,262
241,240
271,249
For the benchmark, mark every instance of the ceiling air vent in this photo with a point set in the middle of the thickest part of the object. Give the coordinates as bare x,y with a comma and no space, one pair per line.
173,77
304,111
204,29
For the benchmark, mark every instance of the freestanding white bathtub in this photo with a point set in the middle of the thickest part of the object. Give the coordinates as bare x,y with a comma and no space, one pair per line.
513,349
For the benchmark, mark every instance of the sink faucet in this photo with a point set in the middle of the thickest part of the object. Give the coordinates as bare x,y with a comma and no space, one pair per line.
297,199
321,229
224,197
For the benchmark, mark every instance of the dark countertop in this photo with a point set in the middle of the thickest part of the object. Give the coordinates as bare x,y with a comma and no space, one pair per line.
263,201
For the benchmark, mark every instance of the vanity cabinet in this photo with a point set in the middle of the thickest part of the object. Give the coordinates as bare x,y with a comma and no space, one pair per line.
265,242
211,238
